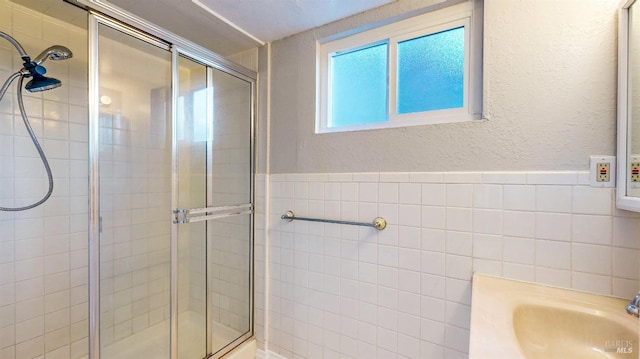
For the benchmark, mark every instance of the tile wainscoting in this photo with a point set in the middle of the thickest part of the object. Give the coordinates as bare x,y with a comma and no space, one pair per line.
404,292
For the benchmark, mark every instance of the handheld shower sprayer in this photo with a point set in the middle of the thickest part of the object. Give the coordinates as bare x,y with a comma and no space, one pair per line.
33,69
55,52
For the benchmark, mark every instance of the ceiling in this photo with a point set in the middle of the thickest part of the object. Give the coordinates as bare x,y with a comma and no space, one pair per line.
269,20
231,26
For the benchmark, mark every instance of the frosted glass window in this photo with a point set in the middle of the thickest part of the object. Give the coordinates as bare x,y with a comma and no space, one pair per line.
418,71
431,72
359,86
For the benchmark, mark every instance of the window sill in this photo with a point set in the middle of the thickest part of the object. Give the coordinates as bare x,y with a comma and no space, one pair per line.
415,121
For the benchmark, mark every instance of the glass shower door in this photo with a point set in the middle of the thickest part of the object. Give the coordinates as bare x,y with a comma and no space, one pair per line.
134,160
214,214
230,238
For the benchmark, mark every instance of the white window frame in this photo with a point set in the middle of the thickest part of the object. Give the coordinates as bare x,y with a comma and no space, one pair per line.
467,14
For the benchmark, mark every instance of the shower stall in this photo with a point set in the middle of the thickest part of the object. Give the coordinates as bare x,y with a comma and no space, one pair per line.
152,210
171,197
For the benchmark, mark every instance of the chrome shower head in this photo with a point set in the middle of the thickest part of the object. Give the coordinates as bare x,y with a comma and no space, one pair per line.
55,52
42,83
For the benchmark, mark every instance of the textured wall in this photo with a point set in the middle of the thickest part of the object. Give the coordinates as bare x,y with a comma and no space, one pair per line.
261,122
550,95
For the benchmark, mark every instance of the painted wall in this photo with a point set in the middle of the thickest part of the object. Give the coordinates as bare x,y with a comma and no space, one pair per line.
550,95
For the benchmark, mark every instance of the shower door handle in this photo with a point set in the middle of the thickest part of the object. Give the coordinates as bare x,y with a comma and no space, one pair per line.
182,216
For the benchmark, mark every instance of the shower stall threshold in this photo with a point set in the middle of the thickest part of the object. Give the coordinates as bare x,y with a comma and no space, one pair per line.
153,342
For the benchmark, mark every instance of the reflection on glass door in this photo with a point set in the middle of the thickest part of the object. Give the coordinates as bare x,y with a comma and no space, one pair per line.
213,135
135,191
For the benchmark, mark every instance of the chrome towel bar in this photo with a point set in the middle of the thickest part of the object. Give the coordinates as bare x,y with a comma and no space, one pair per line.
378,223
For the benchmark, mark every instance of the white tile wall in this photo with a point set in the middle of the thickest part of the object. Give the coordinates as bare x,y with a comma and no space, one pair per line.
261,258
405,292
43,251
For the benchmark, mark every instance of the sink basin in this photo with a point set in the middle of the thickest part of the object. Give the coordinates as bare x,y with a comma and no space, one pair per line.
585,333
513,319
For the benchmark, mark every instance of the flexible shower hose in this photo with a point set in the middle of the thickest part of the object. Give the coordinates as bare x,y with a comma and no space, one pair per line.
47,168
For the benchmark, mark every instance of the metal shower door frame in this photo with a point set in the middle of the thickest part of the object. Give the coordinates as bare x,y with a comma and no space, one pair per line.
103,13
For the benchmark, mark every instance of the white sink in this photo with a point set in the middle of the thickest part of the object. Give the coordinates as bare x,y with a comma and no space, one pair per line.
512,319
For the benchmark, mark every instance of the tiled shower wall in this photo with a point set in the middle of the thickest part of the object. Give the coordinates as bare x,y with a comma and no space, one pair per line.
404,292
43,251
